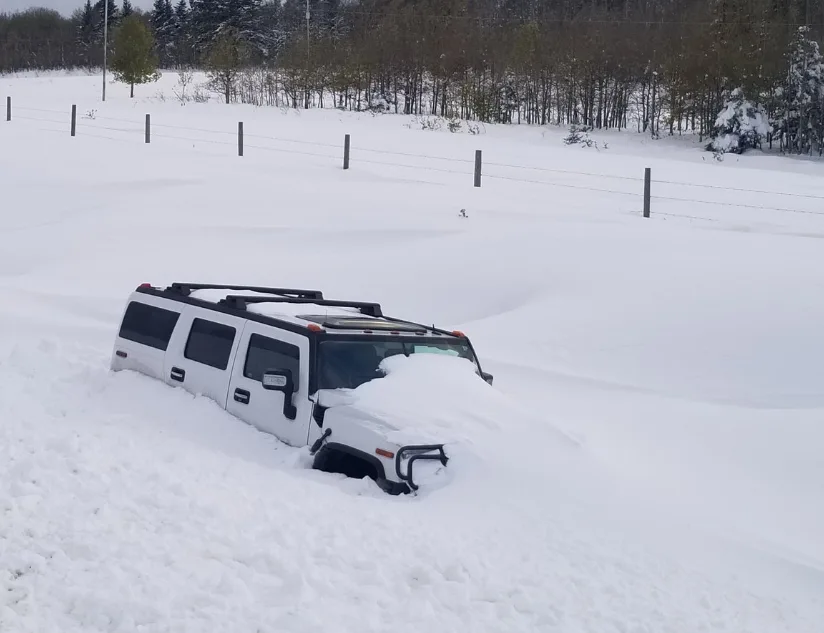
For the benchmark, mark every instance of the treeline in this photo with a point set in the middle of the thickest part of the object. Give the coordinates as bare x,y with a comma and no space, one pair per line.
658,66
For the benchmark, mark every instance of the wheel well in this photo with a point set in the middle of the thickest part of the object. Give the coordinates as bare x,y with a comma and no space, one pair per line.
338,458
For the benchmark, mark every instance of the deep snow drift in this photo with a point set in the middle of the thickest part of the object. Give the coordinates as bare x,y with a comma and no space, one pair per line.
650,460
430,398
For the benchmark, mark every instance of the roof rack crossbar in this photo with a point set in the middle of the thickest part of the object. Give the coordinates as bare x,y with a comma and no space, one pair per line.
186,289
369,309
430,328
345,323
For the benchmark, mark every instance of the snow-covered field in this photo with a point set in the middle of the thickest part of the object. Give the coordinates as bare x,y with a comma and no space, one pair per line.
661,468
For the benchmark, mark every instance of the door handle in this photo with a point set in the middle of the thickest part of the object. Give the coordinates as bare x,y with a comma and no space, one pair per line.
178,374
242,396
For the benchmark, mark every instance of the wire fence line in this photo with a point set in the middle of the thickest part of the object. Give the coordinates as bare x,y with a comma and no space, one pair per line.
90,125
739,205
635,194
565,171
738,189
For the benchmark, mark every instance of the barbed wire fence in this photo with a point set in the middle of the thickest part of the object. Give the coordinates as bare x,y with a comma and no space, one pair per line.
474,170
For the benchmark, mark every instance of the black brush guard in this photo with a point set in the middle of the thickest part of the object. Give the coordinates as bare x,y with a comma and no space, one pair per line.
422,452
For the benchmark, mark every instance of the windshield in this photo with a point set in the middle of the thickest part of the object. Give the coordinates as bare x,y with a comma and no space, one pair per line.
349,364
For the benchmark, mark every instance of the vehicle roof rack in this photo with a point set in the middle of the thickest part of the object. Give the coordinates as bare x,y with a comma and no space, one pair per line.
378,325
369,309
431,328
186,289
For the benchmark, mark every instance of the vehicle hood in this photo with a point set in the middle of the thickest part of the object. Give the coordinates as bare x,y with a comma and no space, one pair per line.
423,398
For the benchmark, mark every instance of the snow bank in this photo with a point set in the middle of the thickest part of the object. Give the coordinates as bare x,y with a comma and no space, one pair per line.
432,398
685,353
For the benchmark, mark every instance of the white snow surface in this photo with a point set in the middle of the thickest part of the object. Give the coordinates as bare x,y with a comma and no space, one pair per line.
648,460
435,398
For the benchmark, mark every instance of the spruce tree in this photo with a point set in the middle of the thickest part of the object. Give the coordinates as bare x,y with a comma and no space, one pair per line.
182,40
324,15
801,121
518,10
293,15
127,9
740,126
162,21
134,60
181,13
271,28
213,18
100,12
86,31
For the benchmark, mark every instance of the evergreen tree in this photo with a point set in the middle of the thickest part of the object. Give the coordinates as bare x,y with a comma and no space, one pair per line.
212,18
134,60
181,13
162,20
86,30
740,126
273,34
518,10
801,121
162,15
100,12
324,15
182,41
293,16
127,9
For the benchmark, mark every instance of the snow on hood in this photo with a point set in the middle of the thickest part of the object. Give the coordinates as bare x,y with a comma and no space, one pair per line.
428,398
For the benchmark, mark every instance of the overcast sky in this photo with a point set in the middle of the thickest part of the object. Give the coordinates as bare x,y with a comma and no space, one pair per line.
64,6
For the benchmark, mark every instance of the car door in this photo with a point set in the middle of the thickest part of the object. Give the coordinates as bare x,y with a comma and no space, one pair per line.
264,348
144,335
201,354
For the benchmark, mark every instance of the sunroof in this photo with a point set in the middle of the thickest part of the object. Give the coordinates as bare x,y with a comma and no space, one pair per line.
357,323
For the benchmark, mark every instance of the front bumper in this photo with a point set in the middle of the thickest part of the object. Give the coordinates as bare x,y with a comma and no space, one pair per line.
413,453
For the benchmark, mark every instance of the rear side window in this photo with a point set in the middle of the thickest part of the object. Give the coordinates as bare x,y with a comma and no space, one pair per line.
148,325
210,343
268,353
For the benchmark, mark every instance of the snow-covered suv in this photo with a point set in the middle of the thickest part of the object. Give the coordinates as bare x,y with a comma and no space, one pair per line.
267,355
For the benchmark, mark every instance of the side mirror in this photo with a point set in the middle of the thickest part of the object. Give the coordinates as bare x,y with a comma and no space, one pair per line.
487,377
281,380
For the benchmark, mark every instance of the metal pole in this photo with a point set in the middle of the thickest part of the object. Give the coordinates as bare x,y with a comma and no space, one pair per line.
478,163
148,128
346,152
74,119
105,42
306,96
240,138
8,108
647,179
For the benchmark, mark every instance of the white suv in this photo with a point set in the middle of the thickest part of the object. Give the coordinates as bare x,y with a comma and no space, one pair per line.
266,354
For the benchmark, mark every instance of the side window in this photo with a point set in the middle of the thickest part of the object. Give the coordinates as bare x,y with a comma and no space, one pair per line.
148,325
267,353
210,343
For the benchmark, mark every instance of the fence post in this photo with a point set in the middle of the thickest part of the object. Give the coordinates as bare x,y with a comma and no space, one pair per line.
74,120
478,164
346,141
240,138
148,128
647,179
8,108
